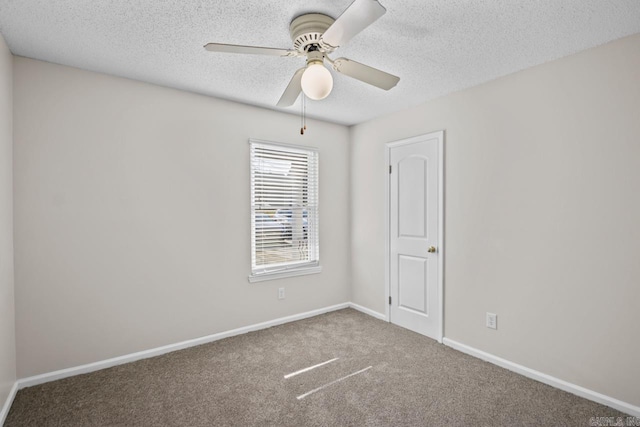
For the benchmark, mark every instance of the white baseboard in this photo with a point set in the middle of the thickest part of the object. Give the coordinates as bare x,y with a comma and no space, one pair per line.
546,379
103,364
522,370
145,354
368,311
7,404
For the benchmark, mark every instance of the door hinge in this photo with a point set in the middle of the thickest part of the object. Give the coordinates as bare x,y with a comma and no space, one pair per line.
389,168
389,300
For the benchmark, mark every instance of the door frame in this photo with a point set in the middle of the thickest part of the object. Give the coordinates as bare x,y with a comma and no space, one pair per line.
387,218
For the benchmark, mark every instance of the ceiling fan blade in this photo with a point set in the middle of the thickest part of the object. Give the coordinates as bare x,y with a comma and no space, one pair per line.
358,16
293,90
366,74
253,50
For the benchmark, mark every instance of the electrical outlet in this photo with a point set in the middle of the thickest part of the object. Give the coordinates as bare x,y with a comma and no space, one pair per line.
280,293
492,320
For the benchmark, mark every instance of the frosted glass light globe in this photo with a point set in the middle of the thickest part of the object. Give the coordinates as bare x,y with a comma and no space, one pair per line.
317,81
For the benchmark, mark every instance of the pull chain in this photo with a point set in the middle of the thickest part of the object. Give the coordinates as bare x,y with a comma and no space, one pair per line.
303,114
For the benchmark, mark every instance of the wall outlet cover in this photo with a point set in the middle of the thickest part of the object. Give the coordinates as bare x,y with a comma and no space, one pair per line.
492,320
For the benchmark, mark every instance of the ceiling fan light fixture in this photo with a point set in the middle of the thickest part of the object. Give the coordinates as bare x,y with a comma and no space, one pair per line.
315,36
317,81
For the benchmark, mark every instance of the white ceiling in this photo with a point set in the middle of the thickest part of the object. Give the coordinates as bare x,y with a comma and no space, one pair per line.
435,46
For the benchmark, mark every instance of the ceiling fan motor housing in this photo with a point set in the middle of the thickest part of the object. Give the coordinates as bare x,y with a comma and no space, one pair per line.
306,30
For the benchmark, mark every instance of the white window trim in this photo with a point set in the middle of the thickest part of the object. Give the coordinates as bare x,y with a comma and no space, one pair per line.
281,272
301,271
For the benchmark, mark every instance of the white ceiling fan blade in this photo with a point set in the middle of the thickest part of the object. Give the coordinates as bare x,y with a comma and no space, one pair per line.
293,90
358,16
366,74
252,50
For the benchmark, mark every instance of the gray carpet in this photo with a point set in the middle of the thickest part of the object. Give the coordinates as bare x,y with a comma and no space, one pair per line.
239,381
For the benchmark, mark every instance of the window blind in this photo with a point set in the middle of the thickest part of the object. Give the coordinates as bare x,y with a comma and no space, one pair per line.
284,207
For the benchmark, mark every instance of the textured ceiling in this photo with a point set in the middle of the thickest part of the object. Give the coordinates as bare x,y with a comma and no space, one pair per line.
435,46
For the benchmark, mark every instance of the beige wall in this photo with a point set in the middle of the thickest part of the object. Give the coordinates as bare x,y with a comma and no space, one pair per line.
7,330
542,222
132,216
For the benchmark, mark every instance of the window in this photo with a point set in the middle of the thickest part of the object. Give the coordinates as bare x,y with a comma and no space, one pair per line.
284,210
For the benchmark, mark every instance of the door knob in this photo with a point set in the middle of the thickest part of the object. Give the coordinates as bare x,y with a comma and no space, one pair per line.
431,249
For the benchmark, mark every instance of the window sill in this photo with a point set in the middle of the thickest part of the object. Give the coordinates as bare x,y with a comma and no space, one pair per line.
282,274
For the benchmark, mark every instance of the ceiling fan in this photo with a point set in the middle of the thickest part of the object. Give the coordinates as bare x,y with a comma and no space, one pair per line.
315,36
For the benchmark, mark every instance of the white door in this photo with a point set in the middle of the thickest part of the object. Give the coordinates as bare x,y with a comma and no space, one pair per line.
415,186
